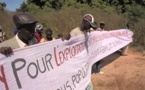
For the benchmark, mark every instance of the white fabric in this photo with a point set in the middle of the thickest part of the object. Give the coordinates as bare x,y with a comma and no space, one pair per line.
100,29
76,31
59,65
21,44
92,21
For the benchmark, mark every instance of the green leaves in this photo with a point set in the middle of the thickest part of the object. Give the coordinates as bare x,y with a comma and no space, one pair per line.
132,8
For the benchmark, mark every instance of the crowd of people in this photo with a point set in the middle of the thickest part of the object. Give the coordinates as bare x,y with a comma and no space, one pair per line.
28,32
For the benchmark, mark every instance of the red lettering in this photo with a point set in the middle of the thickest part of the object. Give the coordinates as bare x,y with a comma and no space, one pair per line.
73,51
55,56
3,78
61,57
67,52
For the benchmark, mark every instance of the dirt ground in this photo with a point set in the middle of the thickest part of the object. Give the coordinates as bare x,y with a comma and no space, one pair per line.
121,72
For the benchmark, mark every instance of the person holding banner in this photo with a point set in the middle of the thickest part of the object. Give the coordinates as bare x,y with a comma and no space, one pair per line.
87,25
25,24
101,28
125,49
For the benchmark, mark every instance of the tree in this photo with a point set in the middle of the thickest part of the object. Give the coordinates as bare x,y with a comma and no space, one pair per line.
39,3
23,7
2,6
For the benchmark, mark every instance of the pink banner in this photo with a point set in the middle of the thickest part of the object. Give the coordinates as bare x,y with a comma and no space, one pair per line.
59,65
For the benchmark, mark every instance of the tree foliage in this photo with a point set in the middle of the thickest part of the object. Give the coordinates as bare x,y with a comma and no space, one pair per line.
2,6
23,7
133,10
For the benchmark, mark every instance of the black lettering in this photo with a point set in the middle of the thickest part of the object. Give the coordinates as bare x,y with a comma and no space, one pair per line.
83,73
68,86
79,74
77,78
48,59
17,69
73,80
29,71
43,65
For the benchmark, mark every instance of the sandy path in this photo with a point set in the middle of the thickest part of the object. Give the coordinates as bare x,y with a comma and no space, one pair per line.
121,72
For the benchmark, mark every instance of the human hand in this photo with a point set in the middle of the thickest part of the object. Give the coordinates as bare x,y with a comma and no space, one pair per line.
67,36
6,50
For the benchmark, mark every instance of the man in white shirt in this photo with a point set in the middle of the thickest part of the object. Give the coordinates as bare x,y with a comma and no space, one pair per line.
25,24
87,25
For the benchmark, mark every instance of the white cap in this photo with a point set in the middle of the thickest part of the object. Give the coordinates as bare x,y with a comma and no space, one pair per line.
39,27
90,19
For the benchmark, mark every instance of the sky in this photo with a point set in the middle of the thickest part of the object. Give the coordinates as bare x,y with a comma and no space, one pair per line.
12,4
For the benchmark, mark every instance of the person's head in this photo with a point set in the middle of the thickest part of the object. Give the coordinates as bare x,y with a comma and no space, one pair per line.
25,24
88,22
60,35
39,28
102,24
49,34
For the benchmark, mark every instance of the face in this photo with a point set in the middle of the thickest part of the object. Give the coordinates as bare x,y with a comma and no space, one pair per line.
27,32
102,25
49,36
40,31
86,25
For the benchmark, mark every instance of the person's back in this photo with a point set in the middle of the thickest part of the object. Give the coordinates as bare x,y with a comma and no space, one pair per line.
124,50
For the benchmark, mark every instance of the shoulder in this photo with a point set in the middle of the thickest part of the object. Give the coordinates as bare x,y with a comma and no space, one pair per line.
76,31
98,29
43,40
9,43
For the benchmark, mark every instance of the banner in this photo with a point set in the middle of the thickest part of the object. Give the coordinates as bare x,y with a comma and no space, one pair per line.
59,65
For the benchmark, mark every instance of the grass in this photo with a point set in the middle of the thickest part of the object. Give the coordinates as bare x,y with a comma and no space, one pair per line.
66,19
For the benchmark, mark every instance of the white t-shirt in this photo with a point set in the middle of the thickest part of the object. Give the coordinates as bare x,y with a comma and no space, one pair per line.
76,32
